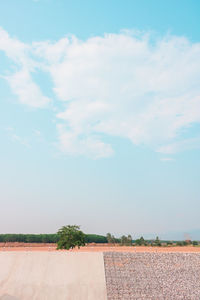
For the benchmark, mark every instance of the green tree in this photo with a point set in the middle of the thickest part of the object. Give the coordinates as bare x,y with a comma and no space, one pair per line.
70,236
129,240
169,243
179,243
195,243
126,240
140,241
110,238
157,242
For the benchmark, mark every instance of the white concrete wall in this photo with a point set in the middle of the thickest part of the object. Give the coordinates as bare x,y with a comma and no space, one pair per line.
52,276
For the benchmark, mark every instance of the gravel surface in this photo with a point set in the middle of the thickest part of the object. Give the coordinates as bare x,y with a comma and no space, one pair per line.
155,276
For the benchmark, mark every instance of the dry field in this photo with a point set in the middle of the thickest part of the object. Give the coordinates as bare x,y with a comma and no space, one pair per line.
96,248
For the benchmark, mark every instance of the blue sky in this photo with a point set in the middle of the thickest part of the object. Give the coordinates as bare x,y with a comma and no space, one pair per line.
100,116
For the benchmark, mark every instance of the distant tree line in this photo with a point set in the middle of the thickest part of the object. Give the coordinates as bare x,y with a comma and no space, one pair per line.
46,238
94,238
128,241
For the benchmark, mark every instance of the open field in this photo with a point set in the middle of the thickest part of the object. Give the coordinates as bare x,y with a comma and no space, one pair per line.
95,248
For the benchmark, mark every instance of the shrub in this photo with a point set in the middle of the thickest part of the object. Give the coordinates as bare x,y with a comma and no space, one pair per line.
70,236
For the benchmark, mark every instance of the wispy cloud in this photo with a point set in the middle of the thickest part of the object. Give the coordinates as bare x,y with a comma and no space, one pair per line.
21,140
37,132
126,85
15,137
181,145
166,159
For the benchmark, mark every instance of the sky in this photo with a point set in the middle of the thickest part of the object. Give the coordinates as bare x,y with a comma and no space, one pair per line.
100,116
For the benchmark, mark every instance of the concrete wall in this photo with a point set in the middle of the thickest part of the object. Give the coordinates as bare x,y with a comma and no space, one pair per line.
52,276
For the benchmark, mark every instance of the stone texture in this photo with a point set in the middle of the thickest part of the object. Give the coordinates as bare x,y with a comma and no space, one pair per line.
155,276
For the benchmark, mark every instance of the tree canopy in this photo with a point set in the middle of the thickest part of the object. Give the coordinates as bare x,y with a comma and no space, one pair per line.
126,240
70,236
110,238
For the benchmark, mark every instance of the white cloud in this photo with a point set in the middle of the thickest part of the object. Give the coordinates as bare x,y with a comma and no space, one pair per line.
130,87
21,81
182,145
126,85
51,52
27,91
16,50
74,143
